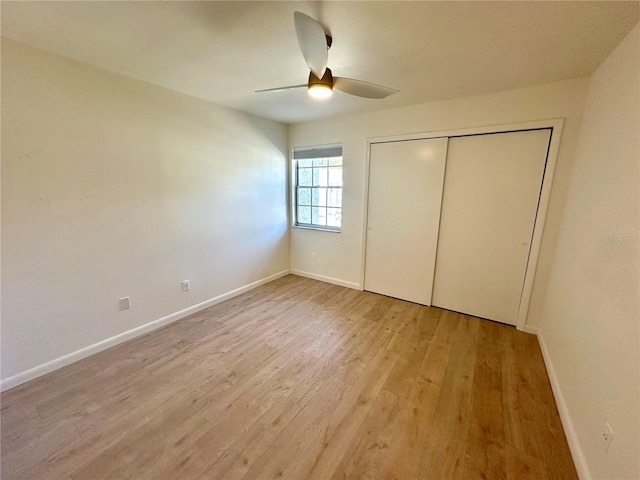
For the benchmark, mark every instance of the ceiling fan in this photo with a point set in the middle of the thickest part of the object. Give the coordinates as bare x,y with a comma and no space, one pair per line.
314,44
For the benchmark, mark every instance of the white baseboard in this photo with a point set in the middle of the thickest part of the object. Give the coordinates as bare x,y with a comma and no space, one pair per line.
322,278
65,360
569,430
530,329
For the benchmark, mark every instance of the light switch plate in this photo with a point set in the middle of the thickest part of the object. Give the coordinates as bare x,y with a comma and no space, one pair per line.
125,303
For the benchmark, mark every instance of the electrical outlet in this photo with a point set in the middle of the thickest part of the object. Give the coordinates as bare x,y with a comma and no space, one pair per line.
607,435
125,303
186,285
314,257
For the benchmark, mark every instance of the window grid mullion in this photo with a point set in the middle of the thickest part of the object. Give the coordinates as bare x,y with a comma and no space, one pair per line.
313,186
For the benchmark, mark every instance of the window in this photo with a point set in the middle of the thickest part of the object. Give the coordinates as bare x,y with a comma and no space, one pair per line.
318,188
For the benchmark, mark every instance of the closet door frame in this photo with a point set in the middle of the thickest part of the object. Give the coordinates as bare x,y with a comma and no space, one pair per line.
555,125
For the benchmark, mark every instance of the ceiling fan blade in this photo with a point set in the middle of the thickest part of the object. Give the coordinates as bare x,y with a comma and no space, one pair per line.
313,42
361,89
281,89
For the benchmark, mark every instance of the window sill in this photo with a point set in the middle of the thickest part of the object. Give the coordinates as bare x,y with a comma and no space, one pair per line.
322,229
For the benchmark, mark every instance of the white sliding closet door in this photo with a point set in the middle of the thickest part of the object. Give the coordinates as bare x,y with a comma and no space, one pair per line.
405,193
490,200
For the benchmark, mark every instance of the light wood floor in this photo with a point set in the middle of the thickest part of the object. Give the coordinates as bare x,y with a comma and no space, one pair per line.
296,379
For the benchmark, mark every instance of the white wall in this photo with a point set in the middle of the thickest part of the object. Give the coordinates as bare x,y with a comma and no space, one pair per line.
114,187
339,256
591,313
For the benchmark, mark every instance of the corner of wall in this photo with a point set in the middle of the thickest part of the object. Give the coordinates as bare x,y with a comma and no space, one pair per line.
565,416
588,321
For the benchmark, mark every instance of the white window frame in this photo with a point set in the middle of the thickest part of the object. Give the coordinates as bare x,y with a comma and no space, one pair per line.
323,151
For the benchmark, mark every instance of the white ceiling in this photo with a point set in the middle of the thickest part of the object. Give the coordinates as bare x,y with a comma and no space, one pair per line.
223,51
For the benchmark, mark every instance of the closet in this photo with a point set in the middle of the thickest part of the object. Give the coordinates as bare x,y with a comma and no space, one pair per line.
405,193
450,220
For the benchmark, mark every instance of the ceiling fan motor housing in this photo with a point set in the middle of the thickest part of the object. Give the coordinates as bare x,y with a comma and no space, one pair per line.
329,41
325,81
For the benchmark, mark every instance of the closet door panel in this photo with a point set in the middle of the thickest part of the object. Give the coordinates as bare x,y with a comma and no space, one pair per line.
490,200
405,194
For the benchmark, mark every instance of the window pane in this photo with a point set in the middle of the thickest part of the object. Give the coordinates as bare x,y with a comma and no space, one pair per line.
319,197
319,216
335,177
304,196
318,186
304,177
320,177
334,197
304,214
334,217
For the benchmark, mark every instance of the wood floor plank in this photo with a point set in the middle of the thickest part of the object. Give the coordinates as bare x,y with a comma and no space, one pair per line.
403,376
296,379
239,459
110,428
372,440
357,359
417,324
452,410
296,438
443,456
521,466
328,448
379,308
412,426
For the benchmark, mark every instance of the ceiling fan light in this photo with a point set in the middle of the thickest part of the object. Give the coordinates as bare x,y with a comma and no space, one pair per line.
320,91
321,87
